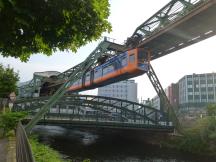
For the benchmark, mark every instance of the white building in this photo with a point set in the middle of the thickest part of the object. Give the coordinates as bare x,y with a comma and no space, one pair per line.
126,90
197,90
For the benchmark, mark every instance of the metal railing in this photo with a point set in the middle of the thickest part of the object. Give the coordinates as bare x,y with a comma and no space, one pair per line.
23,148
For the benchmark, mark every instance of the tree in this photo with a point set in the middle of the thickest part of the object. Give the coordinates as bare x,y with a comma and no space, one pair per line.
44,26
211,110
8,81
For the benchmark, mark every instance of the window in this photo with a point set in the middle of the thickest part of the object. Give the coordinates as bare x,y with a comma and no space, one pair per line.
210,89
203,96
190,89
202,81
210,97
190,97
203,89
210,81
124,61
132,58
108,69
189,82
190,86
97,73
196,97
87,77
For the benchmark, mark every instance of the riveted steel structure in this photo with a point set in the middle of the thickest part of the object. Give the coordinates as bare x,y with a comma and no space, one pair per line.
100,111
177,25
71,75
165,104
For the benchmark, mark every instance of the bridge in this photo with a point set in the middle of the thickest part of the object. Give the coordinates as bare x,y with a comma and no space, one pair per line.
96,111
177,25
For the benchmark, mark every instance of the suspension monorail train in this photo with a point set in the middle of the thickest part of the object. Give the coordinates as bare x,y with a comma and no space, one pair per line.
123,66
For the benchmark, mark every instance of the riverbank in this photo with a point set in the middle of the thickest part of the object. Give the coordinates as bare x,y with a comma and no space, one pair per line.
42,152
78,145
199,139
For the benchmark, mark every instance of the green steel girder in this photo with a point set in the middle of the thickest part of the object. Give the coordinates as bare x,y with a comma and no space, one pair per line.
165,104
105,47
171,12
99,104
141,112
36,83
29,88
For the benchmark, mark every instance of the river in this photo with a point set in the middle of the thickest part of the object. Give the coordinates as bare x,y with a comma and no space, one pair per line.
107,146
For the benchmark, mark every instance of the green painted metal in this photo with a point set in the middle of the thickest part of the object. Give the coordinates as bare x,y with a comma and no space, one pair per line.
166,107
72,107
171,12
70,77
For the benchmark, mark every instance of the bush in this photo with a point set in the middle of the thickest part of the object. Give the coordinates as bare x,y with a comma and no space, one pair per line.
200,139
44,153
9,121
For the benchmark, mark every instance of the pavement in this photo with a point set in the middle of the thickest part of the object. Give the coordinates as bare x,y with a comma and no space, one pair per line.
3,149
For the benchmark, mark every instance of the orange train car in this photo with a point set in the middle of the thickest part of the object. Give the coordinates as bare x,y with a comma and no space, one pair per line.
123,66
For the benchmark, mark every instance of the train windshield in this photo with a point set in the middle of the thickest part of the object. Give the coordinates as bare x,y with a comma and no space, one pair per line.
142,56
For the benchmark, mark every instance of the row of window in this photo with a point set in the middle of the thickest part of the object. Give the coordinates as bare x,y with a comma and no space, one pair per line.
202,89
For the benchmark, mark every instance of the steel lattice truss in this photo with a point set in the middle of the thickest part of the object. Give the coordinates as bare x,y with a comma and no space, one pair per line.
173,18
97,109
105,47
170,13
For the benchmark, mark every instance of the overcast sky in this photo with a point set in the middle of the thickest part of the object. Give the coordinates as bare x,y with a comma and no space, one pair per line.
125,16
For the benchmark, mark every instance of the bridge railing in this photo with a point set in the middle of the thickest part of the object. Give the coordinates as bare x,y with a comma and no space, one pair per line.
23,148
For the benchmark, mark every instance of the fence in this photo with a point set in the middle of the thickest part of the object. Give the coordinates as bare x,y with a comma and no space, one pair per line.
23,148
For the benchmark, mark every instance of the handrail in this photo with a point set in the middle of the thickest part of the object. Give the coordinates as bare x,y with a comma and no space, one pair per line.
23,148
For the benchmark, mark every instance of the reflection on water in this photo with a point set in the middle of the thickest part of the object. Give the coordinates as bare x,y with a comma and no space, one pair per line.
78,145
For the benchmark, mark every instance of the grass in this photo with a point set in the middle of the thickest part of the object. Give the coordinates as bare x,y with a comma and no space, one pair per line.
43,153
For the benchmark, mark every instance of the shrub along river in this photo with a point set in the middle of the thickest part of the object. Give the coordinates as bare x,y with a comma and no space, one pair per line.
109,146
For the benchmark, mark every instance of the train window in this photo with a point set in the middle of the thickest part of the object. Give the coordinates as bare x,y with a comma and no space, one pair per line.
87,77
97,73
75,83
124,61
141,56
108,69
132,58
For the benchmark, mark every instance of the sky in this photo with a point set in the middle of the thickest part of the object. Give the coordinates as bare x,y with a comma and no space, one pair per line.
125,17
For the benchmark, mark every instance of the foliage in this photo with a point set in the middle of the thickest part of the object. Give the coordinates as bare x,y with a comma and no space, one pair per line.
200,139
9,120
8,80
44,153
43,26
211,110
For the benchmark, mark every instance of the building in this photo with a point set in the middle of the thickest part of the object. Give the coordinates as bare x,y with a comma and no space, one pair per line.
172,93
196,91
126,90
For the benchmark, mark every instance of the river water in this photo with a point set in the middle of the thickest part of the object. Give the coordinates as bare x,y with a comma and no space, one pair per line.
107,146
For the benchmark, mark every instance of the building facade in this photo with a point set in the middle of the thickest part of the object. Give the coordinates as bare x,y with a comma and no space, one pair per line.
197,90
172,93
126,90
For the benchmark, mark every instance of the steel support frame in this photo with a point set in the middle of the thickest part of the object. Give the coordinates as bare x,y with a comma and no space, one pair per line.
166,107
90,61
160,20
140,112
